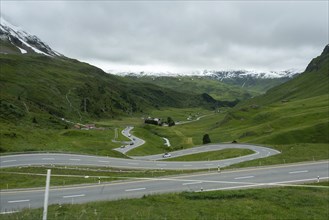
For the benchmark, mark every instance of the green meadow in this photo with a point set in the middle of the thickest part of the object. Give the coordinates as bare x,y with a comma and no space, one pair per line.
268,203
34,139
213,155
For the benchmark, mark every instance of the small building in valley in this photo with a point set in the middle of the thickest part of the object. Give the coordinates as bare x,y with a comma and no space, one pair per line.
154,121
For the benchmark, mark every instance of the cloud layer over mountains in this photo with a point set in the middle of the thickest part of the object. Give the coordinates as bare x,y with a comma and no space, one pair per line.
178,36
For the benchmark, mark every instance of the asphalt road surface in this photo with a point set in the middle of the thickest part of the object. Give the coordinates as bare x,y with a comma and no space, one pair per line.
133,143
260,152
238,179
141,163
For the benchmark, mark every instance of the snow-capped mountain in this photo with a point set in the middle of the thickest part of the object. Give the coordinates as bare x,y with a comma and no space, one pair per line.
251,73
219,74
15,40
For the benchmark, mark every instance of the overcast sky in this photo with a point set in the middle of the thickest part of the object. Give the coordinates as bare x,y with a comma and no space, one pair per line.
178,36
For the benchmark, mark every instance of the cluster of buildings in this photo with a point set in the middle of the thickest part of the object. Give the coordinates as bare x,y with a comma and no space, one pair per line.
87,127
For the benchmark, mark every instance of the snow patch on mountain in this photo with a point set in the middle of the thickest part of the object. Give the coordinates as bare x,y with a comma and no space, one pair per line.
218,74
24,41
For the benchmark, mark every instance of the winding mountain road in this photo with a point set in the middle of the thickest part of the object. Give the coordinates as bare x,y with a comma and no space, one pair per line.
12,200
133,143
147,162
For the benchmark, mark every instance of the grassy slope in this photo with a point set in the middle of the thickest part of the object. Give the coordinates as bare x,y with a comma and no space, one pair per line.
187,84
59,87
18,139
273,203
298,126
213,155
294,112
38,91
226,89
180,136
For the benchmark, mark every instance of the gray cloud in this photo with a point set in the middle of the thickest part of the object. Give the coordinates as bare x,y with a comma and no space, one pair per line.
272,35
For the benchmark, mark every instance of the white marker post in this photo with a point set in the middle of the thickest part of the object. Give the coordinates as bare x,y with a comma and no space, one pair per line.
45,206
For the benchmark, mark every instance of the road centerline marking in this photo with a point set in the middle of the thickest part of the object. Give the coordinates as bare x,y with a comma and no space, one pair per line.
299,171
137,189
184,184
244,177
73,196
8,161
17,201
75,159
9,212
48,158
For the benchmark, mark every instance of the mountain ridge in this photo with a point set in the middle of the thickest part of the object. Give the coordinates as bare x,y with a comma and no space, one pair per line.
216,74
14,40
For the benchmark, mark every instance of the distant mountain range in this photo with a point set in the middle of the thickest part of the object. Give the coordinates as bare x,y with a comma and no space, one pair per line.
16,41
253,82
218,74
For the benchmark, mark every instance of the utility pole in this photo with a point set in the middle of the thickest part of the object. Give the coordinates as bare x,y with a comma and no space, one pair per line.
45,206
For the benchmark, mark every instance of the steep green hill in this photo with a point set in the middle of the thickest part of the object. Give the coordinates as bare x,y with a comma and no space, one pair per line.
43,96
297,124
66,88
313,82
294,112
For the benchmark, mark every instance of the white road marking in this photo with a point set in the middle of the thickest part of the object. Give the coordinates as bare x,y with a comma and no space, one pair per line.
73,196
48,158
76,159
137,189
103,161
7,161
162,165
184,184
16,201
10,212
133,163
243,177
284,183
299,171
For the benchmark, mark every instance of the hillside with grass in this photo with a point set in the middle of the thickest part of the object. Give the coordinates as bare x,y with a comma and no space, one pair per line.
294,112
41,96
69,88
313,82
229,89
292,118
192,84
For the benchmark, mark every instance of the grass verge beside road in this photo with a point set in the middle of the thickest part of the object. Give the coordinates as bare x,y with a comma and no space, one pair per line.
291,153
213,155
267,203
95,142
28,177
